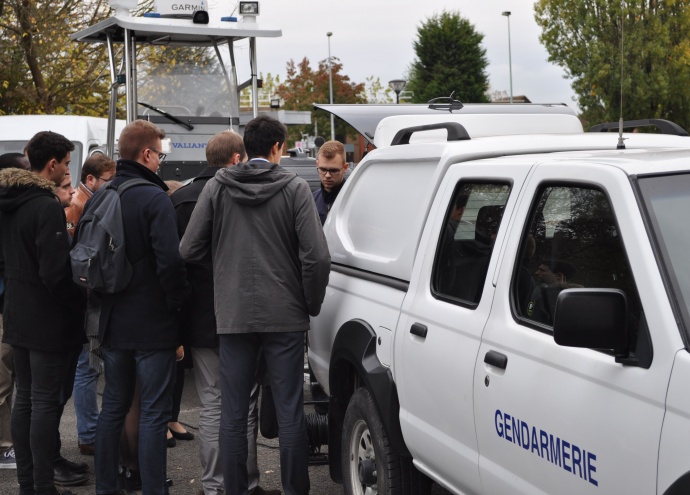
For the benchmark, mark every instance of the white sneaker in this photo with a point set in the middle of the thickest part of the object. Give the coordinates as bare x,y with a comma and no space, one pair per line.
7,460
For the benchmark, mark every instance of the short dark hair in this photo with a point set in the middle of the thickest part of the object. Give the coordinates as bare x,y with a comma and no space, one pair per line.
45,146
261,134
96,165
11,160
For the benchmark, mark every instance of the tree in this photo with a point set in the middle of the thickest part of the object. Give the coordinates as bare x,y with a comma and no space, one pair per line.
375,92
43,70
450,58
305,86
584,38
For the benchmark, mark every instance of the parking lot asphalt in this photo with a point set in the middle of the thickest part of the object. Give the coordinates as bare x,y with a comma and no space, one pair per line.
183,460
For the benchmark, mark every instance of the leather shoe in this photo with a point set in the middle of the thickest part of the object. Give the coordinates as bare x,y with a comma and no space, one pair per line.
171,442
260,491
86,448
181,436
75,467
64,477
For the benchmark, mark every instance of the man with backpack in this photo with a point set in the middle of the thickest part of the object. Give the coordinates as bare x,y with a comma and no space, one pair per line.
138,324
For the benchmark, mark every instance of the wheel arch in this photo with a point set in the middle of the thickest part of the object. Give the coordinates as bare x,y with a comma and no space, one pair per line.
680,486
353,364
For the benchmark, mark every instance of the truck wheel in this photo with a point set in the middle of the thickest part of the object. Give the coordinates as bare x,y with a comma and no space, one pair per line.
370,465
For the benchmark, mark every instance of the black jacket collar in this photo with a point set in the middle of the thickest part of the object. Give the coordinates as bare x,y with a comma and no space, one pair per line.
129,169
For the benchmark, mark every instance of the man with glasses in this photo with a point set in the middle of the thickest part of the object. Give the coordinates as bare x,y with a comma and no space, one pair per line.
331,166
96,172
138,326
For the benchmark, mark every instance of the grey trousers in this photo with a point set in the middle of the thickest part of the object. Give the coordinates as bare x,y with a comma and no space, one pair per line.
207,380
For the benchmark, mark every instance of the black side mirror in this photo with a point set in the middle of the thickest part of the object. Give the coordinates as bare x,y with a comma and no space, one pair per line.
592,318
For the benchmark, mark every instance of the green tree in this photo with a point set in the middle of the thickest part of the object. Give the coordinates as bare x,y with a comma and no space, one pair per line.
450,58
375,92
305,86
584,37
43,70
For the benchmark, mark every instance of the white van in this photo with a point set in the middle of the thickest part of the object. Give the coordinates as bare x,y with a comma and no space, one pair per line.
508,308
87,133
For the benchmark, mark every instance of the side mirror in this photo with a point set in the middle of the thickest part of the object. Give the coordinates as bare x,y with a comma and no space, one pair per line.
592,318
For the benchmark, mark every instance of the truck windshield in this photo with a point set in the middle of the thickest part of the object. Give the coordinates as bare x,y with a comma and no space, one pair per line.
667,199
184,82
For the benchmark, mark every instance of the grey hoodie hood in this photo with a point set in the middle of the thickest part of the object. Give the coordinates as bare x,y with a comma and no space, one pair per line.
254,182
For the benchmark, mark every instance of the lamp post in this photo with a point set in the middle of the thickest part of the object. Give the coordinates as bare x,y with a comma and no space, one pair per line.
397,85
510,57
330,81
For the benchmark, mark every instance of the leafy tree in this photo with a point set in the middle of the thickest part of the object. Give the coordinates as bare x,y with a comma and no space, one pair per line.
584,37
450,58
375,92
43,70
305,86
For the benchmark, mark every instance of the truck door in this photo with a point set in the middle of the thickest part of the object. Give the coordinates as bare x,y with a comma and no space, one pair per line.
443,317
565,420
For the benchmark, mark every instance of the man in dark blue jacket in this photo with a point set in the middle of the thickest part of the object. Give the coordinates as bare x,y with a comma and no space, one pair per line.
138,326
331,165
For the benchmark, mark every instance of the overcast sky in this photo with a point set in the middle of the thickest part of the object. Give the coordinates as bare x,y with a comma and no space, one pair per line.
374,37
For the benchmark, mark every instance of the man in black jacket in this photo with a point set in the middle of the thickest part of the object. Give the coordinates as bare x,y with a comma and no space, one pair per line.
35,253
138,326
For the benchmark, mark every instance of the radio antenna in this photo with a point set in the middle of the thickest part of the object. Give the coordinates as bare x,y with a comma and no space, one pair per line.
621,141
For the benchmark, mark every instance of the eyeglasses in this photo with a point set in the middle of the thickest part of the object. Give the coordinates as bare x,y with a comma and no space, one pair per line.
106,180
161,156
332,171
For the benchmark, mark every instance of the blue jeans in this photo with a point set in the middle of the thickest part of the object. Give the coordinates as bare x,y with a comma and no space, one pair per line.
154,371
284,354
85,399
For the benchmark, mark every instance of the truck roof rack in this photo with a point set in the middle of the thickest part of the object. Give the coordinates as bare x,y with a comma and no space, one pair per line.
445,103
456,132
665,126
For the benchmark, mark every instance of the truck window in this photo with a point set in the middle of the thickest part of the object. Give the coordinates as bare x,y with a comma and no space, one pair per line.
571,241
467,240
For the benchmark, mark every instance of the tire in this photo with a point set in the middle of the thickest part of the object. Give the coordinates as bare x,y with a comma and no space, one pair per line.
364,438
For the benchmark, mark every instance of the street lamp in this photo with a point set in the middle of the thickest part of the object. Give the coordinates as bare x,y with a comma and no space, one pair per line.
330,81
397,85
510,57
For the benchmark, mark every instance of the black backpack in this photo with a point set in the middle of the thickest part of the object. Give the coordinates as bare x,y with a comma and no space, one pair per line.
98,257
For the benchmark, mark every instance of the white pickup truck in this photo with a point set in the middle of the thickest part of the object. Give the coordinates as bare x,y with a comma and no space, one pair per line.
509,308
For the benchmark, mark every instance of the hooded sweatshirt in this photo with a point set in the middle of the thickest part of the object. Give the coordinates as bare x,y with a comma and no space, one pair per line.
257,223
43,308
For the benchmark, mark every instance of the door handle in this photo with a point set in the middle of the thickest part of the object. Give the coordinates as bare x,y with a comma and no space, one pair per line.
496,359
419,330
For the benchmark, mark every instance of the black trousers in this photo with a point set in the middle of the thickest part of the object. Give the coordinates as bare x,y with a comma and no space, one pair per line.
284,355
41,379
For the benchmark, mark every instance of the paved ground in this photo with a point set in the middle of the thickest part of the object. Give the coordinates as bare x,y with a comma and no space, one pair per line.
183,460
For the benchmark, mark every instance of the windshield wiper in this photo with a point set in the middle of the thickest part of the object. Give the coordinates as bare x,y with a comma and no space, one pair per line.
165,114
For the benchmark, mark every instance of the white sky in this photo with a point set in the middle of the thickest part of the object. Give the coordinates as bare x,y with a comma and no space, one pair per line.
375,37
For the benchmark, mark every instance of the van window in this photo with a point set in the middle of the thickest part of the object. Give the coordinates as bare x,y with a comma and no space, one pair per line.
467,240
572,241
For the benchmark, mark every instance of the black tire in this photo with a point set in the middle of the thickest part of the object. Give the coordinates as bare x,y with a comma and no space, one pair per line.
365,438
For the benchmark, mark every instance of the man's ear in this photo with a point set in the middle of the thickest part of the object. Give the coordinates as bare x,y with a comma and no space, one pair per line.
345,165
235,158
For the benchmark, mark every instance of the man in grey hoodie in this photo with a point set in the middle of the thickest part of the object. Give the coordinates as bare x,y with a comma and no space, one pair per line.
257,224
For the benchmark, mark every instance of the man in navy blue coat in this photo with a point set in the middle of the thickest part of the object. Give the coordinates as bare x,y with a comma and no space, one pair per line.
139,326
331,165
